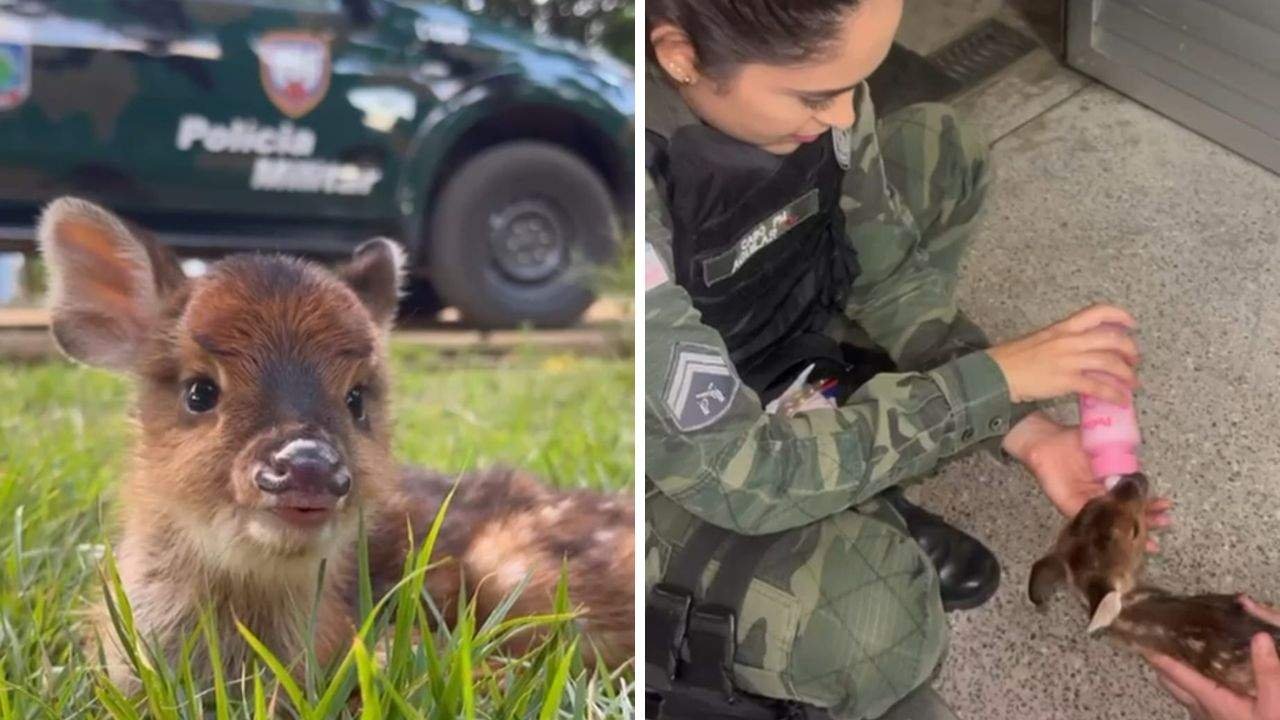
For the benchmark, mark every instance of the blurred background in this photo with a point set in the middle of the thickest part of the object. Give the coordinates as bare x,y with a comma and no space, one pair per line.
492,138
609,24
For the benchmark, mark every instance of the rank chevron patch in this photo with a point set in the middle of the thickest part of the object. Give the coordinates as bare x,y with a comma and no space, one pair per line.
701,386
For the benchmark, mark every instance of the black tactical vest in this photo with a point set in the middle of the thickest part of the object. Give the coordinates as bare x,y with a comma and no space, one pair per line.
759,245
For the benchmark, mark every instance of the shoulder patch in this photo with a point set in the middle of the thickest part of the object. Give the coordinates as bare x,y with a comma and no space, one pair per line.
655,272
701,385
842,141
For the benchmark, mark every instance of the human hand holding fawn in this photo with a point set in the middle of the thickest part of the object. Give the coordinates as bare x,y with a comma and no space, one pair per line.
1206,700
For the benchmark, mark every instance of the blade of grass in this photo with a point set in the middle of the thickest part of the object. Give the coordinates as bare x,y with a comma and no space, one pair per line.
556,683
340,686
6,707
191,708
221,702
405,708
465,637
283,677
407,598
259,698
116,703
313,669
371,708
362,558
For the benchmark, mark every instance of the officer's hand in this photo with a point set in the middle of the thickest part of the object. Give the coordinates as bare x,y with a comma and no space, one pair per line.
1083,354
1054,454
1206,700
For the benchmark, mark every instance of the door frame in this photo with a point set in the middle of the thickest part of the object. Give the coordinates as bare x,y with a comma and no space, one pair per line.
1114,60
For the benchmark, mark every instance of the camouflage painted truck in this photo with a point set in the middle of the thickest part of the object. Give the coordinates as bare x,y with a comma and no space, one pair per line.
501,160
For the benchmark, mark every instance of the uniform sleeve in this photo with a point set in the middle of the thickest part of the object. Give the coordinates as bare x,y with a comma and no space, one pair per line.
753,472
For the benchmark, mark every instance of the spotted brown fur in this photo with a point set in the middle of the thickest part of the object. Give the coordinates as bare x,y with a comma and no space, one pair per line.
1101,551
285,344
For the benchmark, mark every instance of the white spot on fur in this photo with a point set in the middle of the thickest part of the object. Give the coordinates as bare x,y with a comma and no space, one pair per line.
1108,610
511,573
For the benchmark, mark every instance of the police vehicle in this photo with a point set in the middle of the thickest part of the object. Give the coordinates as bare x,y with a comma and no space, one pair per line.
500,159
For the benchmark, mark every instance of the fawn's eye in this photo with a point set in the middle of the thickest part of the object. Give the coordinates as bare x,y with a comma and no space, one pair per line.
201,395
355,402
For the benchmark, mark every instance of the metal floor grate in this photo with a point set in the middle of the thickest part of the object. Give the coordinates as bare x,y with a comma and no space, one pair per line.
982,52
907,77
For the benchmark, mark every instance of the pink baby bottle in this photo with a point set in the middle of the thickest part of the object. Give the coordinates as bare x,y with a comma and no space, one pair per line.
1110,436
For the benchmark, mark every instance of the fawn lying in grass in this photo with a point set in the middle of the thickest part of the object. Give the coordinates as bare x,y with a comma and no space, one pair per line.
1100,554
264,432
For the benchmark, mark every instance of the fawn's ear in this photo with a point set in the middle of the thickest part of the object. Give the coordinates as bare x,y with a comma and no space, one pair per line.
106,282
1105,613
376,274
1047,575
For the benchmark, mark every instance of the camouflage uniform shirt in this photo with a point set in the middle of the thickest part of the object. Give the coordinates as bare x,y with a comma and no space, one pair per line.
753,472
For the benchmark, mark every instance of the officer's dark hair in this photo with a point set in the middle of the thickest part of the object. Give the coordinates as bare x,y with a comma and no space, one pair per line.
729,33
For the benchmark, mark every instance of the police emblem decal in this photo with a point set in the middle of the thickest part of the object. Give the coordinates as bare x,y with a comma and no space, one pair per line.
295,69
701,386
842,141
15,74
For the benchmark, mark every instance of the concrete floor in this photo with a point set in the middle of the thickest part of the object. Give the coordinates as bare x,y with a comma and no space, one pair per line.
1099,198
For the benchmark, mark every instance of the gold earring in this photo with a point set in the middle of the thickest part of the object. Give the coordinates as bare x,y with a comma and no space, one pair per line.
682,78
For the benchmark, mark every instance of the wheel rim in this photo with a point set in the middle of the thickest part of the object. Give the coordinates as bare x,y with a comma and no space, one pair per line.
528,241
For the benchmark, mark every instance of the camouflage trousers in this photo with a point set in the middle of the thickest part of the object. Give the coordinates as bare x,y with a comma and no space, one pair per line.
845,613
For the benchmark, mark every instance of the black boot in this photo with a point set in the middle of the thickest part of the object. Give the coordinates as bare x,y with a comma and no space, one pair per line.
968,572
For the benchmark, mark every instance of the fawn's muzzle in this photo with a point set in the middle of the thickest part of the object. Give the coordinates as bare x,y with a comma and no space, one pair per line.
1133,485
305,465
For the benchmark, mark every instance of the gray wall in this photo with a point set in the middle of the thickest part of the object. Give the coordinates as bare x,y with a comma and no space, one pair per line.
1212,65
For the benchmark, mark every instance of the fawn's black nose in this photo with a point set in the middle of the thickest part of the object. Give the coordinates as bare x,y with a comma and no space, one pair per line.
305,465
1132,485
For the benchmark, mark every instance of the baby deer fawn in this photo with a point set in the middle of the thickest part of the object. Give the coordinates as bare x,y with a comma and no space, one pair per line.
1100,555
264,432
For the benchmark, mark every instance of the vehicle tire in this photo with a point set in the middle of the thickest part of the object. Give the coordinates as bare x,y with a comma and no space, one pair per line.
517,234
419,301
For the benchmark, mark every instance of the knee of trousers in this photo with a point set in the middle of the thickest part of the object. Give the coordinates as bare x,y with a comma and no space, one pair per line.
959,161
851,620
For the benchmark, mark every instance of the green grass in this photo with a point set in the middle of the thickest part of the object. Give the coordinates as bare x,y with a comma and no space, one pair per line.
64,435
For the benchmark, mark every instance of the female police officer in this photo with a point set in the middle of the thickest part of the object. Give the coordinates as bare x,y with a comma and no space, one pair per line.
788,228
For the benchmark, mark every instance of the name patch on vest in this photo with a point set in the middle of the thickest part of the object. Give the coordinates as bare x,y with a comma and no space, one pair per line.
701,385
761,236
